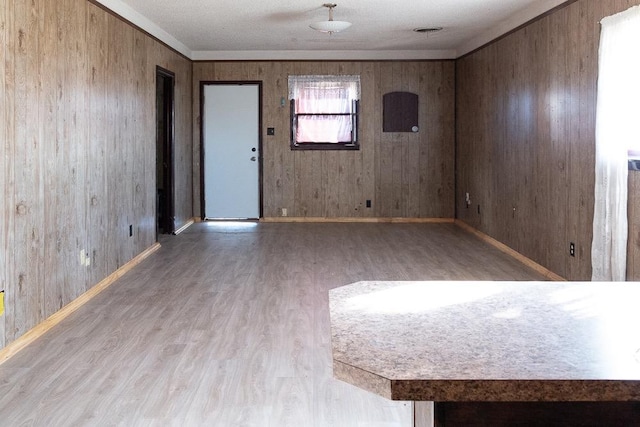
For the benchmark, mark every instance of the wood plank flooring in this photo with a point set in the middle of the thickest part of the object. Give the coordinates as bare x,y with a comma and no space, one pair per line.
228,325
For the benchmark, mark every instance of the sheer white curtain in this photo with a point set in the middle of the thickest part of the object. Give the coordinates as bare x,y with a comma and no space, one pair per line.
617,129
326,97
325,128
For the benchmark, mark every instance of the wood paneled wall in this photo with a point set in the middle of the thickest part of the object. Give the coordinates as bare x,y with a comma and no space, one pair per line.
403,174
78,150
5,168
526,136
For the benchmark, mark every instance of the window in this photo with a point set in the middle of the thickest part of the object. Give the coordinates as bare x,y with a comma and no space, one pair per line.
324,112
617,129
633,154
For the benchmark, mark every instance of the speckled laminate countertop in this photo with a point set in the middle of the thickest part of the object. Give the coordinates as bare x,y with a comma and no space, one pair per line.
489,341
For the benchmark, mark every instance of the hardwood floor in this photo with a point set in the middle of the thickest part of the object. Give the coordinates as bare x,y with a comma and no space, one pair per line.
228,325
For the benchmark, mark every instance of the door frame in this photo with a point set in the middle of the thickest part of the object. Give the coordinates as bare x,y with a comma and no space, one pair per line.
204,83
168,148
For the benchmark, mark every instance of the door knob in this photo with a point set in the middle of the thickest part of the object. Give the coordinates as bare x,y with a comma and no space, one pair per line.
253,158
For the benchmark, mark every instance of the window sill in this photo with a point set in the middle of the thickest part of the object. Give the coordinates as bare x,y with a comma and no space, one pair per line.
319,146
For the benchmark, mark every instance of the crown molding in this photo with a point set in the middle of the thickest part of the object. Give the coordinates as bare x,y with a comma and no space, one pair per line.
134,17
324,55
513,22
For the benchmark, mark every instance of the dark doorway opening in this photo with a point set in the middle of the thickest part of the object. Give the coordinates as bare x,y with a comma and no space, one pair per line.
165,215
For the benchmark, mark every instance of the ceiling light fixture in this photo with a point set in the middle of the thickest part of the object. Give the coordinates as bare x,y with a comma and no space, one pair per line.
330,26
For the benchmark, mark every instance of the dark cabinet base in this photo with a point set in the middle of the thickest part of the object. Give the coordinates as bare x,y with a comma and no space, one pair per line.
537,414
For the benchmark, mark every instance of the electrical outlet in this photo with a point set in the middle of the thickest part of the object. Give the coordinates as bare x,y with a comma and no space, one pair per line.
284,211
368,203
85,259
572,249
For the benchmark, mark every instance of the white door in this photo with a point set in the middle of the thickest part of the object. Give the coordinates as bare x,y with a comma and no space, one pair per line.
231,151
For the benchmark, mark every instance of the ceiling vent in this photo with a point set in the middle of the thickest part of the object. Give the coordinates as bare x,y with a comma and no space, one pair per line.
428,30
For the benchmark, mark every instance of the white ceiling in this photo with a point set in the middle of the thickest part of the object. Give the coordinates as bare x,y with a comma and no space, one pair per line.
279,29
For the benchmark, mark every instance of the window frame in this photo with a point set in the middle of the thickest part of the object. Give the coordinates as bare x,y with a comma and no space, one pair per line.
353,144
633,159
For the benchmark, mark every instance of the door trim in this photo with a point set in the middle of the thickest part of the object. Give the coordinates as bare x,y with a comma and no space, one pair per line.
169,222
204,83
